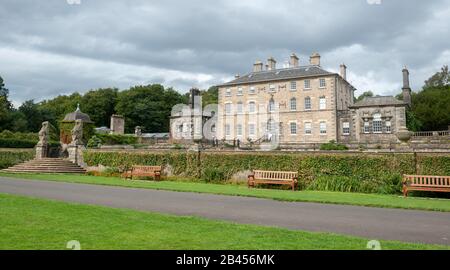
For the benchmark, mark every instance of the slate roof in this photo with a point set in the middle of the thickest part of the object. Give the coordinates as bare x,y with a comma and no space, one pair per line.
156,135
279,74
378,101
77,115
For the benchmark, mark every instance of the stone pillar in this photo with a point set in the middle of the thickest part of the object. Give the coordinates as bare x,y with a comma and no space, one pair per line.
117,124
76,154
76,147
42,145
41,151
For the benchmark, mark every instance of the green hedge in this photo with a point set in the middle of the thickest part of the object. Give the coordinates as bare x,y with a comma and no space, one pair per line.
355,172
10,139
16,143
115,139
12,157
182,163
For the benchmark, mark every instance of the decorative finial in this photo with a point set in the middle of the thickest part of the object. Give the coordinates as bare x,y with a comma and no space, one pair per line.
78,106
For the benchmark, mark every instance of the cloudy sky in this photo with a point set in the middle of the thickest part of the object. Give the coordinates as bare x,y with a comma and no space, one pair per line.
53,47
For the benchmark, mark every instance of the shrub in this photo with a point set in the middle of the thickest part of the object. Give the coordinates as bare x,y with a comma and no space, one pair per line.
354,172
332,145
10,139
94,142
11,157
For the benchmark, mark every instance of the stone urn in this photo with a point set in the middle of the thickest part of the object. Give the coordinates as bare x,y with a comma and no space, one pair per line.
403,134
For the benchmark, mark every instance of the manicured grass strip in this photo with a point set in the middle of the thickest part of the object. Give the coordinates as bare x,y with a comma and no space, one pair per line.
28,223
375,200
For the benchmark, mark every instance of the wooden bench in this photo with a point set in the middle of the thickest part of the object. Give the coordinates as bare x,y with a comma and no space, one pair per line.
273,177
143,171
425,183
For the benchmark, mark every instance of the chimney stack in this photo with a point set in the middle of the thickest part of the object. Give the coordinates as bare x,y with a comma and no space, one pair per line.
258,66
406,90
344,71
315,59
271,63
293,62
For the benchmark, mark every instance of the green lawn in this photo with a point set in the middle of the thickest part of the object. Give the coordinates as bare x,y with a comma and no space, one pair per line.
28,223
376,200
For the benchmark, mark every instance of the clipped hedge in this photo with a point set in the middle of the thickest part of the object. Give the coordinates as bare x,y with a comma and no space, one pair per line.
353,172
181,163
16,143
10,157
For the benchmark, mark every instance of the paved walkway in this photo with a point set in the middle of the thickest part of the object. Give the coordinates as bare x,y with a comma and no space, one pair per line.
368,222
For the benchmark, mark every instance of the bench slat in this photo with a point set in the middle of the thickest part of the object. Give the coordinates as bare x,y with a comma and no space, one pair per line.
426,183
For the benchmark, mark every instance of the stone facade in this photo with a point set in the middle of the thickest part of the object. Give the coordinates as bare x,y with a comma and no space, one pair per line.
189,123
301,104
117,124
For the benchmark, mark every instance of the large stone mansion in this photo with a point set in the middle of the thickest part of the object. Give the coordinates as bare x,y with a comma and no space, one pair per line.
306,104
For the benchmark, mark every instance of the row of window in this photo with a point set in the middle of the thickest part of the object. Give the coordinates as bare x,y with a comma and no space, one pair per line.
272,87
293,128
272,105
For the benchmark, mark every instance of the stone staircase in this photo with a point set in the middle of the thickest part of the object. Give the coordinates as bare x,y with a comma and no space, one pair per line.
47,165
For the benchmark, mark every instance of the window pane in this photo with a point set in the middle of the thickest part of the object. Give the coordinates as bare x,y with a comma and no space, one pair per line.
293,85
307,84
308,128
251,107
240,107
323,127
308,103
322,83
293,127
293,104
322,103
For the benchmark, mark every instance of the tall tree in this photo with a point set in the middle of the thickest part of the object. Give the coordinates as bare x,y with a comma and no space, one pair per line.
100,105
147,106
363,95
210,96
32,114
441,78
5,106
56,108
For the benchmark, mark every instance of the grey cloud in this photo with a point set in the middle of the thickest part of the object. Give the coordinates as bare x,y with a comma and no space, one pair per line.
222,38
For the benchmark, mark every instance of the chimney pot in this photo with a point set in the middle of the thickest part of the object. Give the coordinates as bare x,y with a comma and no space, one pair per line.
344,71
271,64
406,90
315,59
258,66
293,62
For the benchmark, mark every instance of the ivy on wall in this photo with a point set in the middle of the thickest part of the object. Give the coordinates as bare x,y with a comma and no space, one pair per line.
359,172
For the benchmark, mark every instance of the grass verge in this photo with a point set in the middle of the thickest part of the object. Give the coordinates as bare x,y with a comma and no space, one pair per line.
360,199
28,223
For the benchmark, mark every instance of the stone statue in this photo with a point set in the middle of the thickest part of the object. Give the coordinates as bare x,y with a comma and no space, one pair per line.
44,134
138,131
77,133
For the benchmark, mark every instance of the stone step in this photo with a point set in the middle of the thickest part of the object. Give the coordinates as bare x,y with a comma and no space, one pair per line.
47,165
43,171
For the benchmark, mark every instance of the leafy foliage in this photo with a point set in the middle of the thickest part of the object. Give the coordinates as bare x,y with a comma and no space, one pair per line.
9,158
147,106
115,139
431,108
371,173
332,145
